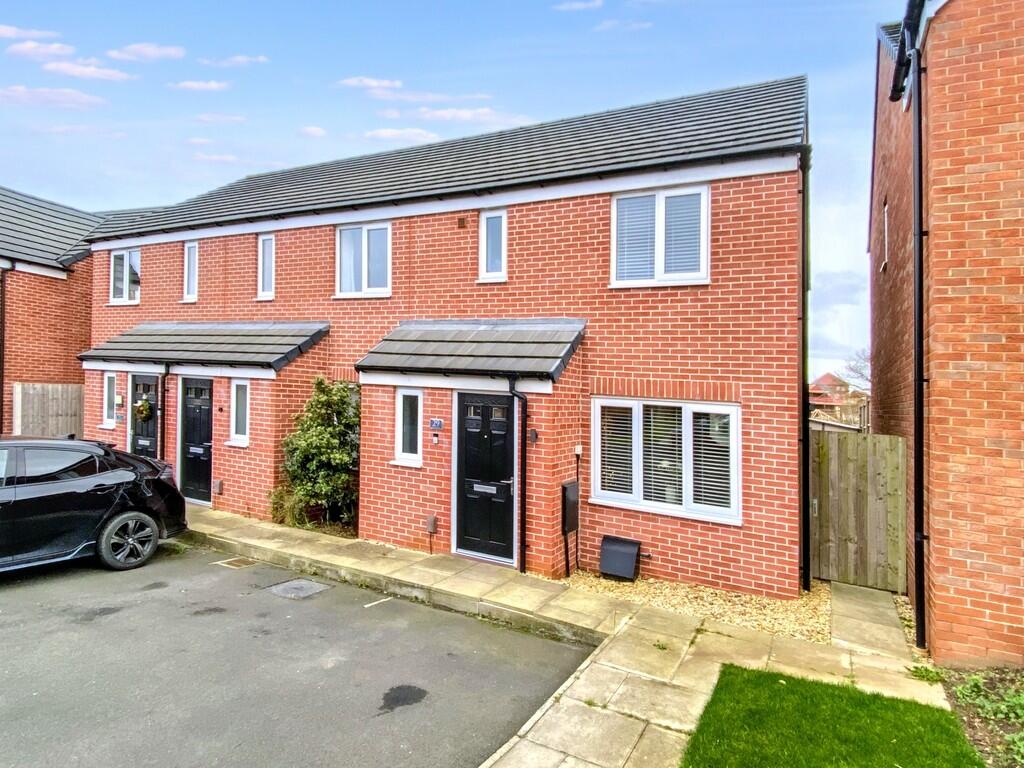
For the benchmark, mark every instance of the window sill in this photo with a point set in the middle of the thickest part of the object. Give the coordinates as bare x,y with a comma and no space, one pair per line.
495,279
735,520
123,303
233,443
188,301
386,295
660,283
264,298
410,463
107,427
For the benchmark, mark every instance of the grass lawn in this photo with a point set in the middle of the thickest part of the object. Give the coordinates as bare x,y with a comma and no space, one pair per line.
774,721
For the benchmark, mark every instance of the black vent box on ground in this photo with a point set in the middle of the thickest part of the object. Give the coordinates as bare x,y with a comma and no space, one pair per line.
620,557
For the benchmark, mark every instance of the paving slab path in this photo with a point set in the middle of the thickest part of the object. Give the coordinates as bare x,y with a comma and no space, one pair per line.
635,700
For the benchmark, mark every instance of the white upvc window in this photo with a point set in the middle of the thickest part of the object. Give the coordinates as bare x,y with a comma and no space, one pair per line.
239,413
125,276
265,268
109,400
190,268
667,457
408,423
660,237
493,246
363,261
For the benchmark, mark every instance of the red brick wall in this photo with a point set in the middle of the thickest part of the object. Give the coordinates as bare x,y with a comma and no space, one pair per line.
46,326
741,330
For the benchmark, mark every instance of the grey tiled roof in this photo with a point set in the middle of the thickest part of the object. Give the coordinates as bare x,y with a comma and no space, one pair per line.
268,345
889,36
745,121
41,231
538,349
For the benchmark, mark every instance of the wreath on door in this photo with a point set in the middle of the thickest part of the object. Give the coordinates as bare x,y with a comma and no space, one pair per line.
143,410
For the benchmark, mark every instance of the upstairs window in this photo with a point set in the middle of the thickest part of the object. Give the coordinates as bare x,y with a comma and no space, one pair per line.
493,247
190,290
265,269
125,270
363,261
660,238
672,458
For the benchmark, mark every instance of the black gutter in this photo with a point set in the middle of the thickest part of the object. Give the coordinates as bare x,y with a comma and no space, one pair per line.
522,469
911,22
3,341
803,452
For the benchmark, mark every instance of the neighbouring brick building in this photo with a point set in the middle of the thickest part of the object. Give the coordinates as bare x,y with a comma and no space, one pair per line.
45,288
615,298
971,104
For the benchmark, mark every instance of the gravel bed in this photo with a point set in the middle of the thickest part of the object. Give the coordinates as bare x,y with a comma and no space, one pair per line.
809,617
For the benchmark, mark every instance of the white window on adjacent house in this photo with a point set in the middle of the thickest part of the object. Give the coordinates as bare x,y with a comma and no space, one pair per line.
408,418
493,246
109,400
239,412
125,276
265,269
885,237
660,238
363,261
672,458
190,289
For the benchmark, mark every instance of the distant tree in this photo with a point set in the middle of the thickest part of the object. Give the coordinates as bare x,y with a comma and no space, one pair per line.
858,370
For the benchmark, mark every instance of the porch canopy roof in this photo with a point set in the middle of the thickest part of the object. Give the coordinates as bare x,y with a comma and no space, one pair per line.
533,348
265,345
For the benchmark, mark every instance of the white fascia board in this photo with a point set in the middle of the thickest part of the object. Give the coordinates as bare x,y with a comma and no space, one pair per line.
105,365
454,381
6,264
198,371
636,181
39,269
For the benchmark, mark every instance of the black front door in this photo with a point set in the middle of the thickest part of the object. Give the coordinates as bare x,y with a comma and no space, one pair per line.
197,438
144,420
486,470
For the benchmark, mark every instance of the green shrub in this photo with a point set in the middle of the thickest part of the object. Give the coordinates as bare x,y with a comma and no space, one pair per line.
286,508
321,457
926,673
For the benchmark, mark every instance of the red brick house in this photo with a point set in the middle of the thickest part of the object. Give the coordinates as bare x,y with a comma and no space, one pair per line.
947,266
45,288
614,299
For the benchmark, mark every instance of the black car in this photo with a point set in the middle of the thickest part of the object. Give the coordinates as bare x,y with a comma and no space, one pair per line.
65,499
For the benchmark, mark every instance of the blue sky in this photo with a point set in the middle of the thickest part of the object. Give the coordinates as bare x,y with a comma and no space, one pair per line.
114,105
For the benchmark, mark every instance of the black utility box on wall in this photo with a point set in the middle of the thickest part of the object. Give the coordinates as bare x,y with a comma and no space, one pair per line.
620,557
570,506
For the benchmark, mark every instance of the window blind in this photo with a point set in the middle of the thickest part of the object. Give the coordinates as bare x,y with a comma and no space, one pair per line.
682,234
617,449
663,453
712,459
634,238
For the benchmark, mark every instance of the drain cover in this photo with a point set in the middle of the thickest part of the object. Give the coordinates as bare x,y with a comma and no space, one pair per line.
298,589
236,562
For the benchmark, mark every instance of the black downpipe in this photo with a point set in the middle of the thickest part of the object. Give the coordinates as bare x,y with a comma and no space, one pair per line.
805,413
162,389
920,537
3,342
522,469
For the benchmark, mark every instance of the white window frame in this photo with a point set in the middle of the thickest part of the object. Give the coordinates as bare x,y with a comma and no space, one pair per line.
885,237
109,388
364,292
240,440
703,275
125,253
262,295
186,297
502,275
402,458
688,509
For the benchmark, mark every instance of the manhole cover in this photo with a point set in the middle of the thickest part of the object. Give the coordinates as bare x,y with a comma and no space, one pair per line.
236,562
298,589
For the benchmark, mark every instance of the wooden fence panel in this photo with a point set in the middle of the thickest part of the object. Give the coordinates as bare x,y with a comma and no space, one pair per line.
47,410
858,509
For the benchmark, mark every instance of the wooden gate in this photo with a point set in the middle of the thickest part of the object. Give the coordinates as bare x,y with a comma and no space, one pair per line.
859,509
47,410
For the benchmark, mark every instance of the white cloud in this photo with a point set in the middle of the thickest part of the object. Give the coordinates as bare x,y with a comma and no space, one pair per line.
482,115
389,114
610,25
147,52
235,61
200,85
64,98
413,135
30,49
578,5
15,33
219,117
209,158
87,69
313,130
199,141
369,82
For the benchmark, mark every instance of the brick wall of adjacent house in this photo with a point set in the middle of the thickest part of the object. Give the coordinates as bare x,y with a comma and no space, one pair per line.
46,325
740,334
974,149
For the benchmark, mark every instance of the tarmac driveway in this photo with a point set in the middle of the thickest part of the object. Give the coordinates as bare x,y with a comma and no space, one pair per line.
188,663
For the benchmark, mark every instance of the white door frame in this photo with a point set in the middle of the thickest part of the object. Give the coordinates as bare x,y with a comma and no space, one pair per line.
454,474
178,442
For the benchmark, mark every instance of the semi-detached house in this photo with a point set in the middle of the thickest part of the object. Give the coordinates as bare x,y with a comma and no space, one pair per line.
614,299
